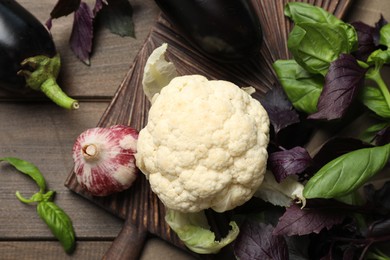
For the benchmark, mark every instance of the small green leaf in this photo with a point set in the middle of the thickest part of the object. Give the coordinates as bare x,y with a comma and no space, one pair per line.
303,12
373,99
117,16
379,57
306,13
384,35
347,173
370,133
301,87
28,169
315,45
59,223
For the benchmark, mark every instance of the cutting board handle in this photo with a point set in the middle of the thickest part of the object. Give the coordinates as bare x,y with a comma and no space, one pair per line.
128,244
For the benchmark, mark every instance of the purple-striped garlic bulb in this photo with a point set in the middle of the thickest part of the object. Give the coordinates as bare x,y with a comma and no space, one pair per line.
104,160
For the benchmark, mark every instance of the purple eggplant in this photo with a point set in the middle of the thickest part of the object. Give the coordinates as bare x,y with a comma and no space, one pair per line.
28,56
223,30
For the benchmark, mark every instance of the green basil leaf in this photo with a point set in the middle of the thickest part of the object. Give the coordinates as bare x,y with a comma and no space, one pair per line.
371,132
307,13
117,16
373,98
379,57
301,87
314,46
59,223
28,169
384,35
347,173
303,12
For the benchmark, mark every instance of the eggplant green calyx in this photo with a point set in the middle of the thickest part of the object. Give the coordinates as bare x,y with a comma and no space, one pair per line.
40,73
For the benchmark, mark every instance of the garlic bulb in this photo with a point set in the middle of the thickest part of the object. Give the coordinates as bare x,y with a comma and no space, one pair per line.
104,160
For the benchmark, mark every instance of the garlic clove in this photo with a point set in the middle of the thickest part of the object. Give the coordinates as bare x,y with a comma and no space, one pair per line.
104,161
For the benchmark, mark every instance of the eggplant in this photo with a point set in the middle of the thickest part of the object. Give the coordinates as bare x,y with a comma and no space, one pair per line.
28,56
223,30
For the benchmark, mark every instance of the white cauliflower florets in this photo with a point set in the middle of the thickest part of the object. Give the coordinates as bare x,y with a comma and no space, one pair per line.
204,145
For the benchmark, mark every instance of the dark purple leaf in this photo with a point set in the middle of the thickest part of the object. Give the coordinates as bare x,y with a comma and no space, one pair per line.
350,253
256,241
297,221
49,23
378,26
342,82
368,38
334,148
64,8
379,228
117,16
383,136
289,162
98,6
82,33
298,247
378,198
279,109
366,44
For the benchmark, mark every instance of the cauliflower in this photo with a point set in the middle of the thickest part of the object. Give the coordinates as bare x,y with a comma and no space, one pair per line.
204,145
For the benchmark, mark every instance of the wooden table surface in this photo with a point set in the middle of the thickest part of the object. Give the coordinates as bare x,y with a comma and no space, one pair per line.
40,132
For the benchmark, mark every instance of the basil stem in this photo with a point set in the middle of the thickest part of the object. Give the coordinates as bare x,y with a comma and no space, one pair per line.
58,222
37,197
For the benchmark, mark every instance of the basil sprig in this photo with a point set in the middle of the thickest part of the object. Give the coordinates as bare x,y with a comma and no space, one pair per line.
57,220
347,173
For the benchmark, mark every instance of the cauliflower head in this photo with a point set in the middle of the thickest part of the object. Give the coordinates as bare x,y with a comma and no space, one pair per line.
204,145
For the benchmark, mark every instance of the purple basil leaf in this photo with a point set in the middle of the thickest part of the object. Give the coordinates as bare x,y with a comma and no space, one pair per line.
256,241
49,23
297,221
298,247
378,198
82,33
383,136
378,26
98,6
64,8
366,44
342,83
350,253
334,148
368,38
289,162
117,16
379,228
279,109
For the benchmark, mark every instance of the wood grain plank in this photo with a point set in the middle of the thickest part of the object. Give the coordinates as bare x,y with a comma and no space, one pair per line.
35,250
85,250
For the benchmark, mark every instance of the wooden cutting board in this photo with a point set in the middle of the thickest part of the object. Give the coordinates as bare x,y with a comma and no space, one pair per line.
141,209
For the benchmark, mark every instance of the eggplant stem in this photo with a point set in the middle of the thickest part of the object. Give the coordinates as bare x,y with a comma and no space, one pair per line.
43,78
51,89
